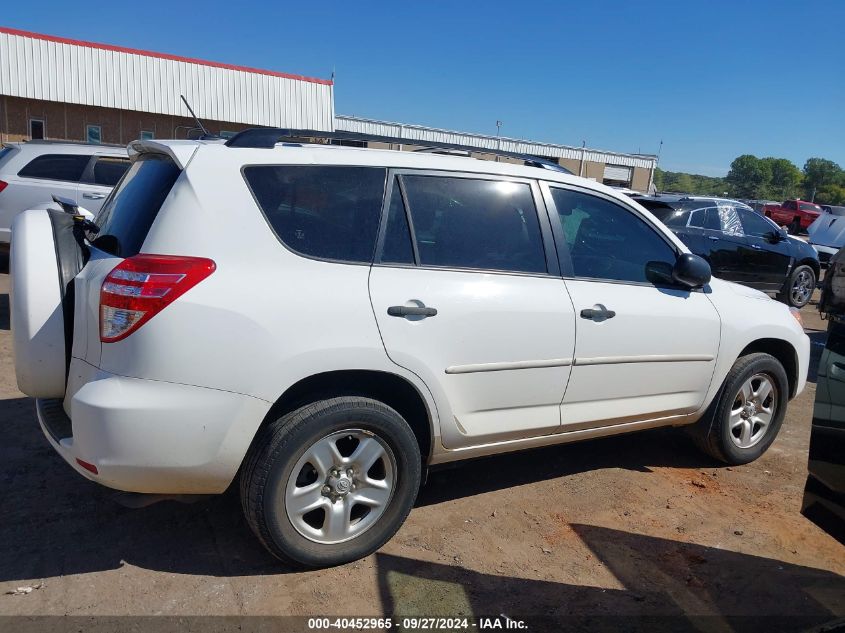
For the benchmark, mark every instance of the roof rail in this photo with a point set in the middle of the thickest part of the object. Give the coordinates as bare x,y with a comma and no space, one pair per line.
266,138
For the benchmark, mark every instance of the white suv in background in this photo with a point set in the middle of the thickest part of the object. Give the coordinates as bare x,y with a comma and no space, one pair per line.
32,173
322,323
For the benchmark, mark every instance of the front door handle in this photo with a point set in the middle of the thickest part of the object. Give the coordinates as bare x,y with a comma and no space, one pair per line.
406,311
713,237
94,196
756,247
597,313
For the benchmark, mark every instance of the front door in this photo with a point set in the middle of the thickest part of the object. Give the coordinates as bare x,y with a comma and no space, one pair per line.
770,261
467,295
644,349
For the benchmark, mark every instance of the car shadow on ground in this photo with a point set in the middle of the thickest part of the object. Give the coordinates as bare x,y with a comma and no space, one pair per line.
55,522
5,323
676,586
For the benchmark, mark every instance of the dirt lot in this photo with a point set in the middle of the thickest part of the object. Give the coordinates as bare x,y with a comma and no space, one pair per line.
641,524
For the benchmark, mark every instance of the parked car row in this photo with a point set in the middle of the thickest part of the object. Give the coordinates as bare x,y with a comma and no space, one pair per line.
327,322
740,245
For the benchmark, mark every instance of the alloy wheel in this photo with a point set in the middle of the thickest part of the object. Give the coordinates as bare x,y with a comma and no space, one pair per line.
341,486
753,410
802,287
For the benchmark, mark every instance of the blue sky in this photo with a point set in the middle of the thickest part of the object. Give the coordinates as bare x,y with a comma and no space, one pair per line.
711,79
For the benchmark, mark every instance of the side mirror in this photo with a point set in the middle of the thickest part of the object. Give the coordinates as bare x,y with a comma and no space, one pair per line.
777,236
691,271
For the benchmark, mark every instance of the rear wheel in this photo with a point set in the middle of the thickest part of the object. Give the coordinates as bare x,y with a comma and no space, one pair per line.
799,287
331,482
747,414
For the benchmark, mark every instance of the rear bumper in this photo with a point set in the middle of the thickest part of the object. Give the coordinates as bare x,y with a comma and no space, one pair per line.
151,436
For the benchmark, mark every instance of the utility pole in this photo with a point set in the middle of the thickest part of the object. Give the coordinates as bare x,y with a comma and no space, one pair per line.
583,153
498,138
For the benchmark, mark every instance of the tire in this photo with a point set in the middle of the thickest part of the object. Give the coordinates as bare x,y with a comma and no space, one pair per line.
286,457
799,287
714,434
794,227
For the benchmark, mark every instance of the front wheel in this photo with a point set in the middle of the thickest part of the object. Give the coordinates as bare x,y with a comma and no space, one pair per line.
331,482
794,227
747,414
800,286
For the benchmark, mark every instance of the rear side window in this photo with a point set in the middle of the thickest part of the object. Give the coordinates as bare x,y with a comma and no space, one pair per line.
706,219
668,215
108,170
130,211
468,223
67,167
325,212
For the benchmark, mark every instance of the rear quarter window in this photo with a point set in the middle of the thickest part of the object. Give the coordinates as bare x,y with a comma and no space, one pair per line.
130,211
323,212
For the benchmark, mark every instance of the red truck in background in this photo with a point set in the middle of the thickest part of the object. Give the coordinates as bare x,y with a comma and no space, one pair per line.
796,215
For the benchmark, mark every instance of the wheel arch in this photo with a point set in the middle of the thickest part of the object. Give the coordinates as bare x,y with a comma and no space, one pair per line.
784,352
393,390
812,263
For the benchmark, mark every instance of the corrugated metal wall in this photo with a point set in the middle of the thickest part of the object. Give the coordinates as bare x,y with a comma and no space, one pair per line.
420,135
52,70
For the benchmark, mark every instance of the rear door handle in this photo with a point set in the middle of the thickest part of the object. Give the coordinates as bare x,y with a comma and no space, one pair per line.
94,196
405,311
597,313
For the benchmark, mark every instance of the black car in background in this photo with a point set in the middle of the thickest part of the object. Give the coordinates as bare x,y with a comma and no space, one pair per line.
740,244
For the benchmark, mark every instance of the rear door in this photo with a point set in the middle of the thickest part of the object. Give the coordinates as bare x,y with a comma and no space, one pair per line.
768,261
101,175
467,295
645,349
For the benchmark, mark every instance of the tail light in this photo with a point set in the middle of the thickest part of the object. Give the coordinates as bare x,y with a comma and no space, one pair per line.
3,185
142,286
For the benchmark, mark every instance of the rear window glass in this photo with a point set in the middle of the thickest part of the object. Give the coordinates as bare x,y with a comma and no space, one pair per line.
130,211
108,170
325,212
67,167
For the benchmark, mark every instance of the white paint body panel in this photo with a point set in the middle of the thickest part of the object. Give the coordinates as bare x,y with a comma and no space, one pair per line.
482,319
209,367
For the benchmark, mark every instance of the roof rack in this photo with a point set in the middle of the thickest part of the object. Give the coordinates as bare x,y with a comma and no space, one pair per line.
268,137
47,141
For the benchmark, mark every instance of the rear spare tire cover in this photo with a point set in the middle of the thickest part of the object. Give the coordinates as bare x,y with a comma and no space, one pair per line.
43,261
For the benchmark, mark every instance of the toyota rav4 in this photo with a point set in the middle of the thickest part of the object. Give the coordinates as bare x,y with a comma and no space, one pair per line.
322,323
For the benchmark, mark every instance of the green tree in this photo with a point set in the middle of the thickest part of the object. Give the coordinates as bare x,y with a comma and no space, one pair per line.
785,178
749,177
831,194
818,174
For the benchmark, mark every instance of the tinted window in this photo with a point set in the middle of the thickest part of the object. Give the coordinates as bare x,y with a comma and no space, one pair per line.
468,223
398,248
607,241
706,219
67,167
789,204
128,214
806,206
754,224
326,212
108,170
668,215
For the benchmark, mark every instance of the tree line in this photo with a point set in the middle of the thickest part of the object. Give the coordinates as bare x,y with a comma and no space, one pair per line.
755,178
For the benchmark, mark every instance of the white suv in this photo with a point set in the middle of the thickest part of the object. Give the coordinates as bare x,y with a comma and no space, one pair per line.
322,323
32,173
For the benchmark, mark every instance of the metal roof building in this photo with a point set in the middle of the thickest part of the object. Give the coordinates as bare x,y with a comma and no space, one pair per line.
57,88
53,69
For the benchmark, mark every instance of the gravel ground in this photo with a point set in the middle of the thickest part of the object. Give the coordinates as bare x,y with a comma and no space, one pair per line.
634,525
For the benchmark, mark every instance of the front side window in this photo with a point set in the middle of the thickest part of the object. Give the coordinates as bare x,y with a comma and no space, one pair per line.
108,170
479,224
67,167
754,224
806,206
789,204
607,241
325,212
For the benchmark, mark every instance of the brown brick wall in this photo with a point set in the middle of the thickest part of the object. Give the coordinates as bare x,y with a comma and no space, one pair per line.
67,121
